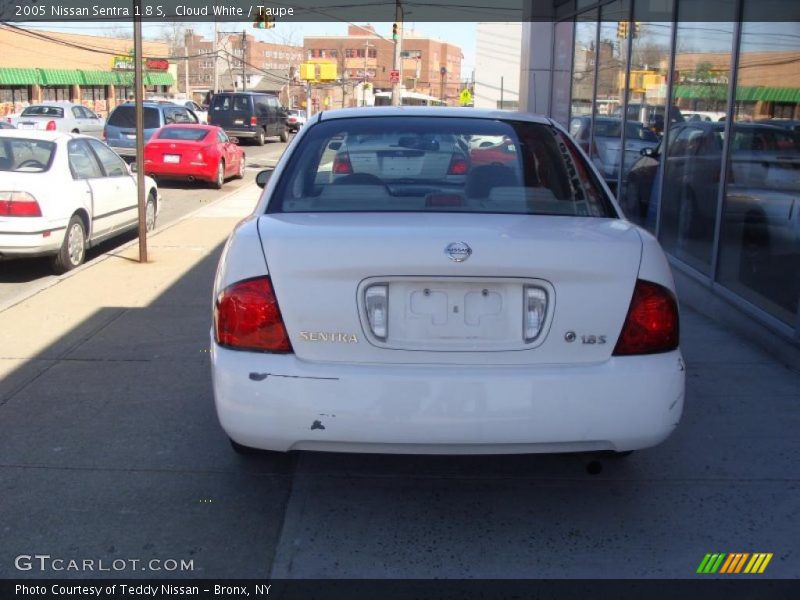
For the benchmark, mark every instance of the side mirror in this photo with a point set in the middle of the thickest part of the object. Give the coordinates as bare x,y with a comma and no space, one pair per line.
132,168
234,140
263,178
335,145
651,152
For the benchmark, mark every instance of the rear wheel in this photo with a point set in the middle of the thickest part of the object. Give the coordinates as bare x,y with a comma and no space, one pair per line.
242,165
150,213
220,178
73,249
260,137
284,137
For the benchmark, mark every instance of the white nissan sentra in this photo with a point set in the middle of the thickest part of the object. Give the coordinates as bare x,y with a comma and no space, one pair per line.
61,193
399,290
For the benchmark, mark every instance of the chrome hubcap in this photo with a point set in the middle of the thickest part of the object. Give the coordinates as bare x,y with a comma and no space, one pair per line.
220,174
75,245
150,216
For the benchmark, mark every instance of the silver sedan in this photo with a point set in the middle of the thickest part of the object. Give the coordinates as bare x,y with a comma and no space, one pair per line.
60,116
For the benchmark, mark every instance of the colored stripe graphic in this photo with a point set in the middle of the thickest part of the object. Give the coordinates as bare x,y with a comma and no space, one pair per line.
711,563
734,563
727,564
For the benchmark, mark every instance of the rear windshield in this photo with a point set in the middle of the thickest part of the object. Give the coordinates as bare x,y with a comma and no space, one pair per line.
44,111
125,117
187,134
426,164
22,155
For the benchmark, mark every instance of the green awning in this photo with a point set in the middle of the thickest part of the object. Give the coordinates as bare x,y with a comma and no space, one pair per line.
98,78
743,93
60,77
123,78
9,76
158,78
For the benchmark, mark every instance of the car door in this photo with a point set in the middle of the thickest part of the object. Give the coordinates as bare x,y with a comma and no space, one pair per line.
230,152
92,124
116,190
276,124
88,175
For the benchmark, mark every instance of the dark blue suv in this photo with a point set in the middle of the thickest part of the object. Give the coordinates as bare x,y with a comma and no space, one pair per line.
120,130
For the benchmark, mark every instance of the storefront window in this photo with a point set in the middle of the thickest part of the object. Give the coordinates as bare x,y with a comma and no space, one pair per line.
760,238
57,93
13,94
693,160
583,64
94,93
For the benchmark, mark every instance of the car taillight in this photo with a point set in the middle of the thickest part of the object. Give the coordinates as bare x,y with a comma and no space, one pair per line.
458,165
341,164
652,323
247,317
253,121
19,204
51,126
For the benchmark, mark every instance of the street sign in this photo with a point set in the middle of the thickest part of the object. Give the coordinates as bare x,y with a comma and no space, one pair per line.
394,76
465,97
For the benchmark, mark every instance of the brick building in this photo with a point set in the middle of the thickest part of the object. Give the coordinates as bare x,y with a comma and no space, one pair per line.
86,69
430,66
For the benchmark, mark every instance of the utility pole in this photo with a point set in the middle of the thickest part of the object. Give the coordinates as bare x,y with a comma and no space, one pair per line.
186,69
138,83
397,62
244,55
367,46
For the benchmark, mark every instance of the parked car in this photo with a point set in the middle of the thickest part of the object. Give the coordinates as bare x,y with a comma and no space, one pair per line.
295,119
193,152
62,193
60,116
651,115
200,111
608,143
503,153
120,131
6,125
790,124
249,115
402,312
700,115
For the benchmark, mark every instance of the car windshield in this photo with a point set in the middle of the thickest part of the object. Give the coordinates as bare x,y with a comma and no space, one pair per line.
21,155
186,134
55,112
125,117
428,164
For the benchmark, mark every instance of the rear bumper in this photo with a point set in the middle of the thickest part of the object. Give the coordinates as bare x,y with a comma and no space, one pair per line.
205,172
30,244
278,402
241,133
123,151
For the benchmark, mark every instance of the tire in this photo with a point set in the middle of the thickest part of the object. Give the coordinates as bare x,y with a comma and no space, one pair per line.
73,249
74,131
284,137
220,178
150,213
242,166
259,139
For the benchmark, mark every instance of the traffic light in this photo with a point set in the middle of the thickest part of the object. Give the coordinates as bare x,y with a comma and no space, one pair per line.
622,30
394,31
262,20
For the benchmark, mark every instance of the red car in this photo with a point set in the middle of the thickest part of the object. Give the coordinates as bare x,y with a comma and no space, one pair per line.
193,152
500,154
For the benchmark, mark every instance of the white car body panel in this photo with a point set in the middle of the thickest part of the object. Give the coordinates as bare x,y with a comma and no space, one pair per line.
555,396
60,196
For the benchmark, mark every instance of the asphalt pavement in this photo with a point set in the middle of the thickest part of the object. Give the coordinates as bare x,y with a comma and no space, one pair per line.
111,450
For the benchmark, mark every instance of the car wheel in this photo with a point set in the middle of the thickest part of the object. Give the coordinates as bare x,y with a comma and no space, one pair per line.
284,137
260,138
73,248
150,213
75,131
242,165
220,178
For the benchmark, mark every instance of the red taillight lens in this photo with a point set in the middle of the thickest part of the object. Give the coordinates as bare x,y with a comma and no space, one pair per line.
253,121
341,164
458,165
247,317
51,126
19,204
652,322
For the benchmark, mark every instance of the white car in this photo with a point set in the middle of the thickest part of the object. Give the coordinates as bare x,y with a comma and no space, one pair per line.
60,116
514,312
62,193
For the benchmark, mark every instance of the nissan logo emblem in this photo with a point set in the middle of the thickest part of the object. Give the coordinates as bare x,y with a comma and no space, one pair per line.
458,251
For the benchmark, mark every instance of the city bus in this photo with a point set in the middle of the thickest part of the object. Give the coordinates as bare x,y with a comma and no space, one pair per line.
407,99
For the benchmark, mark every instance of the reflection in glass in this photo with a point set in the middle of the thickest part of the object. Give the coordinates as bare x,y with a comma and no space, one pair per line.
760,238
562,63
583,64
693,160
646,105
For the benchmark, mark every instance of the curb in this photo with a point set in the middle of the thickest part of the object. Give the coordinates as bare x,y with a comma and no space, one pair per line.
10,303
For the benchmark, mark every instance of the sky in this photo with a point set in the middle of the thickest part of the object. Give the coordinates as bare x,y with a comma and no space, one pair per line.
460,34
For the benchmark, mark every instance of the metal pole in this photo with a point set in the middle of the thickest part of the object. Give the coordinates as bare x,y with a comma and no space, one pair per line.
216,60
397,62
244,54
308,100
139,112
186,72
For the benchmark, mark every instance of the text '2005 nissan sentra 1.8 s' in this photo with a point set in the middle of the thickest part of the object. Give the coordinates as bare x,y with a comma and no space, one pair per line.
390,295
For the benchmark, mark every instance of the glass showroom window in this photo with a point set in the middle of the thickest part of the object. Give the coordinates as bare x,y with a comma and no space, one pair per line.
647,105
760,238
583,64
693,160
